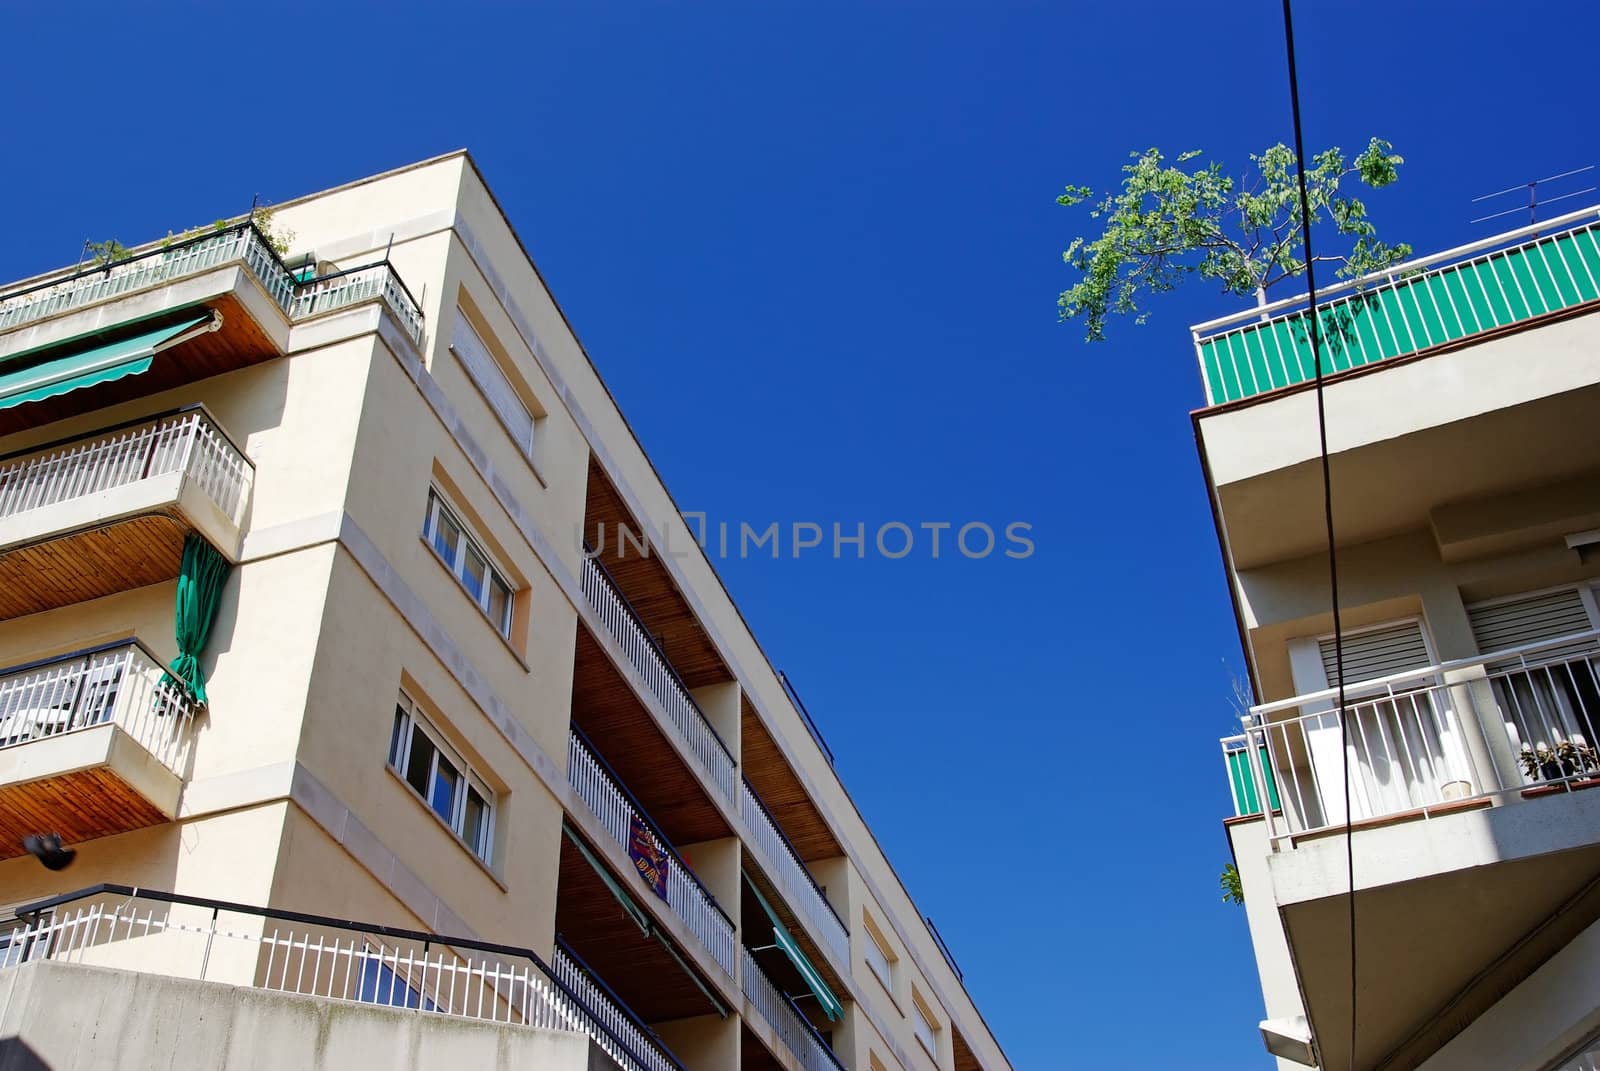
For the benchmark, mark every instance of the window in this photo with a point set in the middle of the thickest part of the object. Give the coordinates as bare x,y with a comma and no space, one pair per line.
491,379
878,957
22,940
462,556
378,983
461,801
922,1025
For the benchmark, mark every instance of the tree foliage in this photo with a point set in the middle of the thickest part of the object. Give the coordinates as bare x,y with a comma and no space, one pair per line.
1232,887
1169,222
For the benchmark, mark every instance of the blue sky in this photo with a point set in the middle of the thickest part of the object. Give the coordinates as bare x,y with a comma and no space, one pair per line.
814,250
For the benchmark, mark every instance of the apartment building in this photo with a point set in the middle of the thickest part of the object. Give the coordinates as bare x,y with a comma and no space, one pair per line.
1463,419
330,648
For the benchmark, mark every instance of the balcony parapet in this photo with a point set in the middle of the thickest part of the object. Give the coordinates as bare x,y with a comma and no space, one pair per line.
1412,307
782,863
793,1031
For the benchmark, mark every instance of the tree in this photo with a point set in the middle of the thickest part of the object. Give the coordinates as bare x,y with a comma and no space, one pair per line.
1171,222
1232,887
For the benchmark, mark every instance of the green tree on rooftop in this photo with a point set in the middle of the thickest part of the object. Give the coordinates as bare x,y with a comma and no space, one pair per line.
1169,222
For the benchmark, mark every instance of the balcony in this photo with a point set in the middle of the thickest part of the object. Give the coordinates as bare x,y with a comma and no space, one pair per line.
789,1028
333,959
91,744
1429,302
239,244
645,656
109,511
623,818
782,864
1476,842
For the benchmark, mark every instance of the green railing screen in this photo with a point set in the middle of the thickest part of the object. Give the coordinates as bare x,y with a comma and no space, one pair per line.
1408,315
1244,785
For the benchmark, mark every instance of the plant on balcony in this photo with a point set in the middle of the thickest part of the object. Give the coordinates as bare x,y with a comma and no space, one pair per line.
1232,887
106,253
1169,222
1567,759
279,238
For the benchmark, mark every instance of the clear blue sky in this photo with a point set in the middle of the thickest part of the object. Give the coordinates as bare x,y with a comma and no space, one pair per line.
814,251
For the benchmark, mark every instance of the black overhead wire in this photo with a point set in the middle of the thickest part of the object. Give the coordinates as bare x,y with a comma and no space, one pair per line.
1327,506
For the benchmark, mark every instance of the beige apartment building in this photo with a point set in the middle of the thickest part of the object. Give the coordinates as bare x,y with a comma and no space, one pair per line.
418,751
1463,418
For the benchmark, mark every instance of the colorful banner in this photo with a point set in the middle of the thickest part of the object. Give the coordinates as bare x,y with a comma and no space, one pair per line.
647,855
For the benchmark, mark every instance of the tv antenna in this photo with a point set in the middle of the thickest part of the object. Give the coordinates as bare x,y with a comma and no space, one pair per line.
1534,203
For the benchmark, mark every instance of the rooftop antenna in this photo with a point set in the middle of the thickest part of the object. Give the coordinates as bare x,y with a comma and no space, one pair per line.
1534,203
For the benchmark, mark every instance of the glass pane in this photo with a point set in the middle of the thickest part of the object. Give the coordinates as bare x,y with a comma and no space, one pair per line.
446,782
420,761
475,828
397,738
499,604
446,537
475,572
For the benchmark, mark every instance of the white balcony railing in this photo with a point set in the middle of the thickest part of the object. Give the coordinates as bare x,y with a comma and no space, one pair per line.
355,285
120,685
793,1032
638,1050
640,649
240,243
188,442
781,863
334,959
1492,727
688,899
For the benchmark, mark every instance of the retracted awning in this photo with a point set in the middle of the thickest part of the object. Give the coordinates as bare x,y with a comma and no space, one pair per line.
96,364
785,941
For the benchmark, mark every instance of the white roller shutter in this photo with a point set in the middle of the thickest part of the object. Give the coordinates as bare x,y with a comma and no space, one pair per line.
487,374
1377,652
1500,626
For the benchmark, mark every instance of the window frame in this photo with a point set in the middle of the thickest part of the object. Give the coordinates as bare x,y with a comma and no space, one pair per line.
409,721
886,977
467,542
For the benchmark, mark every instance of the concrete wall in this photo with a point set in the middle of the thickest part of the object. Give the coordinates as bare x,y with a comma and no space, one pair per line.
67,1017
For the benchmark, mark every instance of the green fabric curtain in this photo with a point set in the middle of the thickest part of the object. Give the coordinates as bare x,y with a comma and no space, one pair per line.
200,580
785,941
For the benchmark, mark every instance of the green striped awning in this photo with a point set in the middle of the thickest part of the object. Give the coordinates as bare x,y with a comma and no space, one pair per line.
87,367
785,941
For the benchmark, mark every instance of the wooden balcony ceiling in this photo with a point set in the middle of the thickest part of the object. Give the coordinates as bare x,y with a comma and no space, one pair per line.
238,343
645,583
80,806
632,963
753,1054
89,564
781,790
966,1059
756,932
625,735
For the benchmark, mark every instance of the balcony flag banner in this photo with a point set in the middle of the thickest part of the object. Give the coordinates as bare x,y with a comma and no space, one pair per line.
791,948
647,856
200,580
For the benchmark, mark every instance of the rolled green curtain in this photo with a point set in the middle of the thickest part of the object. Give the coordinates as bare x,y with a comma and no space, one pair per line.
200,580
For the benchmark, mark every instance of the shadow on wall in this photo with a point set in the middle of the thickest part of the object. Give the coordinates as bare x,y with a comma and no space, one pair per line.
17,1055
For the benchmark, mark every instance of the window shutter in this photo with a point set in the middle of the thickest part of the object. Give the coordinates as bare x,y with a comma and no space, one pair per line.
1501,626
1377,653
486,373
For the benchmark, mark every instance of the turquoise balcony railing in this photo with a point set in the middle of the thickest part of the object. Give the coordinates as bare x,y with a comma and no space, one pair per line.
1428,302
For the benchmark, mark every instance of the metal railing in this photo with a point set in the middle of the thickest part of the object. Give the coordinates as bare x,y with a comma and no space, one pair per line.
1495,727
783,865
320,956
240,242
796,1034
188,441
1587,1060
355,285
1406,309
607,800
642,652
619,1020
120,684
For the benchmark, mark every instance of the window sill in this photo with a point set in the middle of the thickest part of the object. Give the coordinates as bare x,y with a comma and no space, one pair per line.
923,1045
416,798
884,986
433,552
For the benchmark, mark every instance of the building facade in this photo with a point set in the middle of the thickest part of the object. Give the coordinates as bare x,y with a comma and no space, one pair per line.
1463,421
446,662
